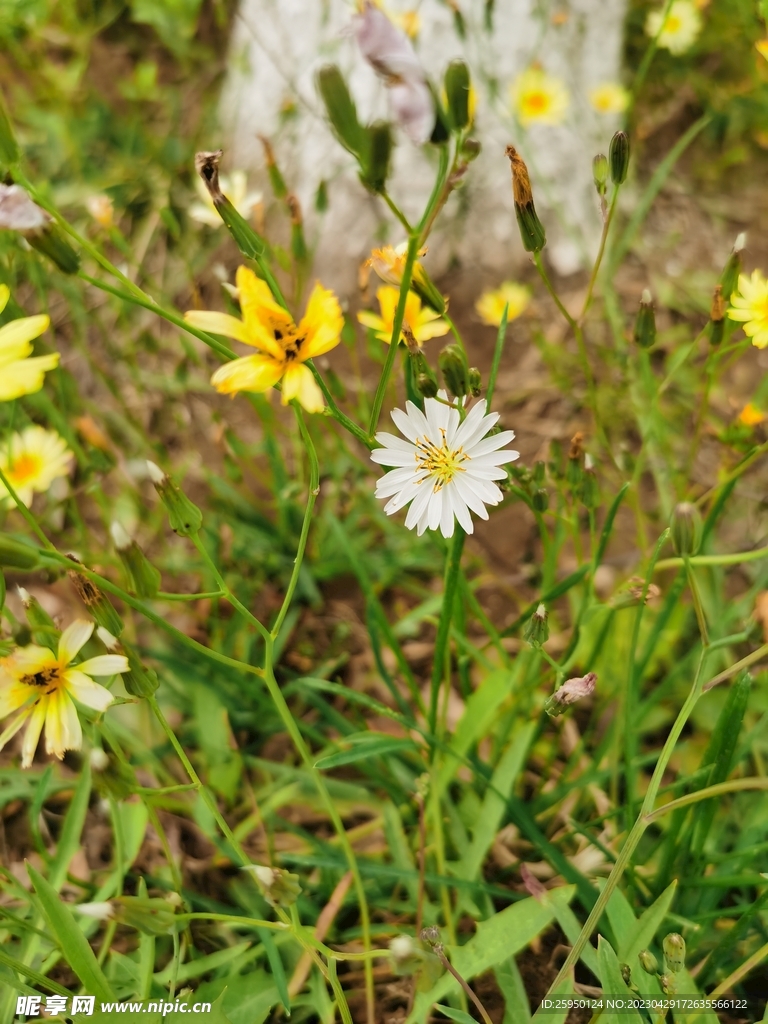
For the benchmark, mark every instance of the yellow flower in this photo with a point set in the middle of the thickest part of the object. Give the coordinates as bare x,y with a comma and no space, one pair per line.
679,29
750,306
283,347
762,47
609,98
539,97
491,304
101,209
20,374
32,460
42,686
409,22
424,322
389,263
750,415
235,188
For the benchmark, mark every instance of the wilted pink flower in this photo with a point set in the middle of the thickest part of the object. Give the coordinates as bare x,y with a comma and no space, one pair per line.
18,212
392,56
571,691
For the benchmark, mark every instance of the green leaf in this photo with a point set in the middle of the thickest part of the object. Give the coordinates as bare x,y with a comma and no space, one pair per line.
480,711
458,1015
69,840
364,745
640,936
276,967
493,943
516,1007
613,985
74,945
217,1015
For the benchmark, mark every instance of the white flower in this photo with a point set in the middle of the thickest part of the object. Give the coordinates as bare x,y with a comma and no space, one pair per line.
679,29
445,468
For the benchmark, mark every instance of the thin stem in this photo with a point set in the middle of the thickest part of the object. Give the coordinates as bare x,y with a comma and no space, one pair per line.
396,211
452,970
698,606
338,415
497,353
224,587
600,253
30,519
735,558
452,565
719,789
550,288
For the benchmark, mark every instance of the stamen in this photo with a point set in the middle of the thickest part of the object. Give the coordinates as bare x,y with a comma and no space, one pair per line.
441,462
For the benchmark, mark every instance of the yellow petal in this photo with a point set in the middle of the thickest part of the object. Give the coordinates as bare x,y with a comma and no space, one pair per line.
16,335
322,323
298,382
260,310
75,636
32,735
218,323
62,726
25,376
371,320
5,294
251,373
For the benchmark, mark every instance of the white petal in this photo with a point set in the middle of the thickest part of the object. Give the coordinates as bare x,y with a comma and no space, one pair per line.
419,506
104,665
32,735
73,638
84,690
494,459
401,499
394,481
411,423
469,495
490,444
435,509
447,517
391,441
460,509
394,457
485,473
472,427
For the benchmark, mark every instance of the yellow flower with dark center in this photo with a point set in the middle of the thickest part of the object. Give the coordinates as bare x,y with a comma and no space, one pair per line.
749,305
423,322
21,373
609,98
43,686
31,460
491,303
283,347
538,97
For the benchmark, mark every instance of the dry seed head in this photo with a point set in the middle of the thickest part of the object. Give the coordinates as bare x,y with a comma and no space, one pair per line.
717,310
521,182
294,208
577,445
207,166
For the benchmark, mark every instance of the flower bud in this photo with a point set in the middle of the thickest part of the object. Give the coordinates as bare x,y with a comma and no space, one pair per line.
475,381
674,952
406,955
99,759
626,973
17,554
143,576
686,528
98,605
432,936
668,984
455,370
457,87
375,165
299,249
645,322
618,157
470,150
184,517
279,888
276,179
248,242
19,213
423,376
600,173
42,626
717,316
138,680
540,500
648,961
729,278
633,595
571,691
340,108
426,385
532,232
590,489
102,911
152,915
537,631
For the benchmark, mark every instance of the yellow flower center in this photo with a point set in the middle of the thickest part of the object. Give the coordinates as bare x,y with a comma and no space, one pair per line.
441,462
537,102
46,679
673,24
25,468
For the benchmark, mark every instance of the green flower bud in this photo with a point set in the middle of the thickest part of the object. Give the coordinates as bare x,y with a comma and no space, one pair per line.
375,166
457,87
42,626
184,517
539,472
590,489
50,241
648,961
674,952
279,888
341,110
455,370
426,385
600,173
475,381
299,249
143,576
276,179
626,973
246,239
152,915
729,278
686,528
668,984
532,232
425,288
470,150
645,322
138,681
17,554
537,631
98,605
618,156
540,500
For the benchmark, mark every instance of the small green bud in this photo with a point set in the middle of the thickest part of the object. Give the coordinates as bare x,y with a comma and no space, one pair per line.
455,370
686,528
537,631
729,279
341,110
590,489
375,166
668,984
618,156
138,680
470,150
674,952
600,173
475,381
427,291
50,241
426,385
457,87
648,961
276,179
540,500
98,605
279,888
42,626
539,472
645,322
143,576
626,973
532,232
184,517
299,249
17,554
152,915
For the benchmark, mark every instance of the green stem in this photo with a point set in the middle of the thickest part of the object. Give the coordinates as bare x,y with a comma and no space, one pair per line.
225,589
600,253
336,412
719,789
30,519
497,353
452,565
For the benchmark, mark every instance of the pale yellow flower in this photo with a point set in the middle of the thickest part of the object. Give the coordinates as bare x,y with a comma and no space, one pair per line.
680,27
423,322
20,374
282,346
31,461
539,98
491,303
101,209
762,47
389,263
751,416
609,98
409,22
235,188
749,305
43,687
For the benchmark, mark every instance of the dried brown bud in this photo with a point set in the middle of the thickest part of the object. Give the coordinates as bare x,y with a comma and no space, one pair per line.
532,232
717,310
294,208
577,446
207,166
571,691
521,182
